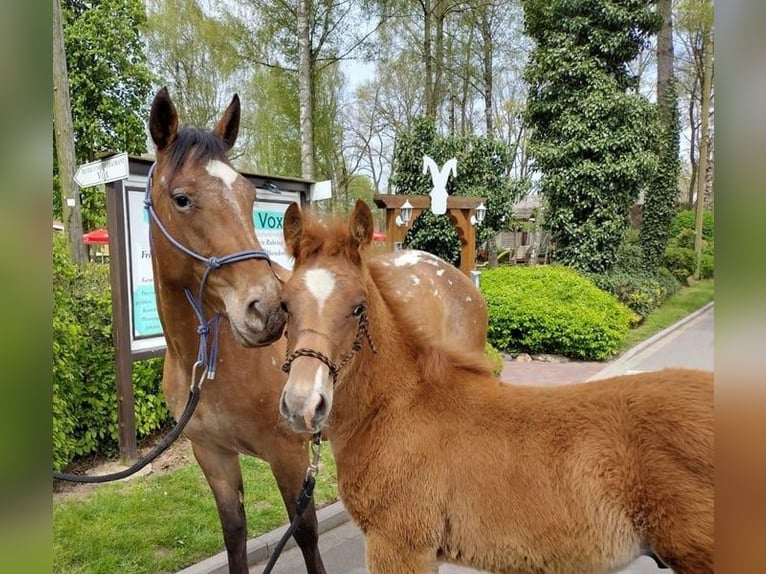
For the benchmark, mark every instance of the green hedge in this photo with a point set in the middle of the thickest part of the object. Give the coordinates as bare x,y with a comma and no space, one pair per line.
680,257
552,309
686,219
84,388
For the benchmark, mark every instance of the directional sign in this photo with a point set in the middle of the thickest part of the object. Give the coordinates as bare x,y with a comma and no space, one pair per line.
102,171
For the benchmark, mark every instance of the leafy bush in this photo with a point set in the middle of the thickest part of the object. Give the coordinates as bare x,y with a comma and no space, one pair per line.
84,387
495,356
552,309
686,219
682,260
639,291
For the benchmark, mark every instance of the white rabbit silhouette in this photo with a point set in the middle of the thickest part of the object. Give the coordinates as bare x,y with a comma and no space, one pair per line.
439,177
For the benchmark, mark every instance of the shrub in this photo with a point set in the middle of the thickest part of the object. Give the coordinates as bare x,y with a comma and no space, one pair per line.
552,309
680,261
84,387
686,219
495,356
641,291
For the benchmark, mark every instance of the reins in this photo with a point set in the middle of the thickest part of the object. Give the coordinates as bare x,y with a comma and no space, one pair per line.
304,498
207,354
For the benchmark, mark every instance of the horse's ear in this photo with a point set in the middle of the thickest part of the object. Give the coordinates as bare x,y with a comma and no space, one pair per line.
163,120
292,229
227,127
361,225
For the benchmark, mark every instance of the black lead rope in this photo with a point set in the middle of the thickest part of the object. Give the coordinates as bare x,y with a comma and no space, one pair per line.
304,499
158,450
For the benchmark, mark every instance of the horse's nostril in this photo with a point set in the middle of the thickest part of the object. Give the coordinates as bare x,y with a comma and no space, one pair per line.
321,408
252,307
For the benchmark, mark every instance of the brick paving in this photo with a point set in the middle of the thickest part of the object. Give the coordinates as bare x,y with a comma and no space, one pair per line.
545,374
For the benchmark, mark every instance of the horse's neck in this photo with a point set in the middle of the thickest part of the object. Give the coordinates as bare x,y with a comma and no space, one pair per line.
374,379
179,322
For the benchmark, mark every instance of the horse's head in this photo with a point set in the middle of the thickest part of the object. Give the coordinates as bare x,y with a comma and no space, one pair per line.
206,207
326,304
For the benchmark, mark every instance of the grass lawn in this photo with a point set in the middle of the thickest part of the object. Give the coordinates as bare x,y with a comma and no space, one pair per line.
166,522
687,300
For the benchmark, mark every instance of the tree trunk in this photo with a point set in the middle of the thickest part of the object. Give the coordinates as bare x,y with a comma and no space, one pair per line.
486,37
664,57
63,132
692,148
428,58
305,91
704,136
438,77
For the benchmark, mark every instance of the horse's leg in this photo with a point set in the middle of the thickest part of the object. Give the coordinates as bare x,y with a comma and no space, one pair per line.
289,467
224,475
387,556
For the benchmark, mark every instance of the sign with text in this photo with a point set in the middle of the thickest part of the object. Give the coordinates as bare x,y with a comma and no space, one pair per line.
102,171
268,218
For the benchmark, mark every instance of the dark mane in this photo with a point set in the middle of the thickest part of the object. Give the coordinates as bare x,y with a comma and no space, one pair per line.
195,145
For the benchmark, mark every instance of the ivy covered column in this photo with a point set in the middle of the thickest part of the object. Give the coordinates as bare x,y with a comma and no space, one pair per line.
592,132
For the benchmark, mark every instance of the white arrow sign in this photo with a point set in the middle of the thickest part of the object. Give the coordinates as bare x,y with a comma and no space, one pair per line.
102,171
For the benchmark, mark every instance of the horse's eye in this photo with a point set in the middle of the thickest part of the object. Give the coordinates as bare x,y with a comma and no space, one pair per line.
182,200
283,305
358,310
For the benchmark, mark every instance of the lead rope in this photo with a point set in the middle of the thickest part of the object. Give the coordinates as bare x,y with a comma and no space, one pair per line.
304,499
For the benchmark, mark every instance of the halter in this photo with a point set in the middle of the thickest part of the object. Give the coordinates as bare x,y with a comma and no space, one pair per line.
205,360
334,369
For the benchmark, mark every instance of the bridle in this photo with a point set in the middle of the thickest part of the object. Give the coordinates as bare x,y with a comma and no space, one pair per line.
361,331
206,360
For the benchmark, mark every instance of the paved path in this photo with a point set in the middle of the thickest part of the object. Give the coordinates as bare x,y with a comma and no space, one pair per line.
689,344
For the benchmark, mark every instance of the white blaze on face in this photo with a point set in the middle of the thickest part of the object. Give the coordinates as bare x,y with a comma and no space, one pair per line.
320,283
228,175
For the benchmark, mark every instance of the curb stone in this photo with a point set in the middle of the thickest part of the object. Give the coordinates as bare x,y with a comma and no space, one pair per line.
333,515
259,549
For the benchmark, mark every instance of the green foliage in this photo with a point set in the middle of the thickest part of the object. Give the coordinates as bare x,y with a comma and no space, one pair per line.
109,85
552,309
591,138
660,203
680,256
686,219
495,356
481,172
638,288
84,388
641,292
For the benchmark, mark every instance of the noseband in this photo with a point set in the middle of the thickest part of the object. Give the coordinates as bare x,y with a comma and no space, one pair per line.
362,331
204,361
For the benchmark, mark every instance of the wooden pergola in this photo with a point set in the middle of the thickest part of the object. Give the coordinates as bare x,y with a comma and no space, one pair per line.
459,211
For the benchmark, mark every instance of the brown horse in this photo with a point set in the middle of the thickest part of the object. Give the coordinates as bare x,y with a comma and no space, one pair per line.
206,207
439,461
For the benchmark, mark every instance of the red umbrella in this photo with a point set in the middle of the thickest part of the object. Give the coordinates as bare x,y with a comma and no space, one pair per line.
97,236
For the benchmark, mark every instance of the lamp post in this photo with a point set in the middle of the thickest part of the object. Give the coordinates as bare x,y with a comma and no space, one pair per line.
403,219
